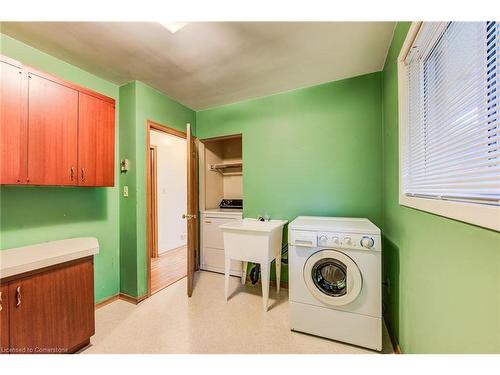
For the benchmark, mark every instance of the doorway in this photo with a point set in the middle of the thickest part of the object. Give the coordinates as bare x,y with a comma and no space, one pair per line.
167,203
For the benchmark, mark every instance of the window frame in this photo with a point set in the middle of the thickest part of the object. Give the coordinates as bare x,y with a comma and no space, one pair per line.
483,215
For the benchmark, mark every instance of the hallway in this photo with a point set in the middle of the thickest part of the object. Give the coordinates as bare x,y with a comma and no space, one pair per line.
168,268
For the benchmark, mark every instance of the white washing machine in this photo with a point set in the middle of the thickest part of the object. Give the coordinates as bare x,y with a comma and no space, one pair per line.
335,277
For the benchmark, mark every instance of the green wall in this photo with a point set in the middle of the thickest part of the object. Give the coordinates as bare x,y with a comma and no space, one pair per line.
139,104
444,274
313,151
128,210
32,214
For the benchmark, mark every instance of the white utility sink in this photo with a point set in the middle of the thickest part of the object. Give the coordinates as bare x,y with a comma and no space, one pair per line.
251,240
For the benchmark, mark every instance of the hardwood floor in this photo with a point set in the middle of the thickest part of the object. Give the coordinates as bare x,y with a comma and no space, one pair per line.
168,268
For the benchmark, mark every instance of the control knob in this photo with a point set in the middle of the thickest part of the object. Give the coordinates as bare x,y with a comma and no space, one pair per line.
367,242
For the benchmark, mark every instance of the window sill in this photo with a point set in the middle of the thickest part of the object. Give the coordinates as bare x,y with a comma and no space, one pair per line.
486,216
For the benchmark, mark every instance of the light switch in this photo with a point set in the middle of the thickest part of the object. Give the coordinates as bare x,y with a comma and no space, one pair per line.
125,191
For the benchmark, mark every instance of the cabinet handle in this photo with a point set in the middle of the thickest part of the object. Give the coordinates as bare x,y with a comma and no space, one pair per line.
1,308
83,173
72,173
208,222
18,296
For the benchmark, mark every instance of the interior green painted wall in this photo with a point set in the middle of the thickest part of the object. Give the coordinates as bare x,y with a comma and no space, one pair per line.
148,104
313,151
444,274
128,210
32,214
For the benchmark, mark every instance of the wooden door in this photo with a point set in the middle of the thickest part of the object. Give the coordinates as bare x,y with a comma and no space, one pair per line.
4,319
53,310
52,132
96,141
192,208
13,135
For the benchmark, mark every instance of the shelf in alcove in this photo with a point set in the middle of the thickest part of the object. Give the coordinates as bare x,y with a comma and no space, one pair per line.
223,167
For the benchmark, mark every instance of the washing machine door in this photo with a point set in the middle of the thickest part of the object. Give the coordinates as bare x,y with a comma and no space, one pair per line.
332,277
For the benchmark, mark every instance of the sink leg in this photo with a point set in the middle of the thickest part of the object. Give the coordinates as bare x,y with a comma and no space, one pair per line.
264,272
278,273
244,272
227,269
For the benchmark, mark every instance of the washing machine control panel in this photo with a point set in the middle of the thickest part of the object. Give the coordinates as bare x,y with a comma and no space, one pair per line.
348,240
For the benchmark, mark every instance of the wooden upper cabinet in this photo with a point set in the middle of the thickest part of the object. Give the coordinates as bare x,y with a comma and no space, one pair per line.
52,132
96,140
13,140
4,318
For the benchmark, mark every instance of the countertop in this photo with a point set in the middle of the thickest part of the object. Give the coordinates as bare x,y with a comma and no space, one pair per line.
19,260
225,211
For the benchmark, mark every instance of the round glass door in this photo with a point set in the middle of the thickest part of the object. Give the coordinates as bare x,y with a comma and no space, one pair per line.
332,277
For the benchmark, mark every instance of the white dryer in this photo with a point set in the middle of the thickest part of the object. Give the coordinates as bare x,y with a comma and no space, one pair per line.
335,276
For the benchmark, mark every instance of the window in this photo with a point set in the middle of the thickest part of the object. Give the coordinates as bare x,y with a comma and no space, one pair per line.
449,120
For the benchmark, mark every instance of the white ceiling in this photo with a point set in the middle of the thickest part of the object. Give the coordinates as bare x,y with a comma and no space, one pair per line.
214,63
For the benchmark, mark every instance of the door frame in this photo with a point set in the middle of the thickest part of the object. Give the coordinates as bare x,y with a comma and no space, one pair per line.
151,125
153,201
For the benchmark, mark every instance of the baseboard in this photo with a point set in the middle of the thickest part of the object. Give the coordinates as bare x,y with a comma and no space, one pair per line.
119,296
397,349
107,301
394,340
131,299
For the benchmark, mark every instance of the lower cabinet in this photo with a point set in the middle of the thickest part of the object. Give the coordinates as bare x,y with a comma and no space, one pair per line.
4,318
50,311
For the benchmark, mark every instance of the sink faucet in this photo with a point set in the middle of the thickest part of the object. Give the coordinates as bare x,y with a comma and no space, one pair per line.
266,217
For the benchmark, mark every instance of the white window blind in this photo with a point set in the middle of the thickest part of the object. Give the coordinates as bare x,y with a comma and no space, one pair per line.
453,136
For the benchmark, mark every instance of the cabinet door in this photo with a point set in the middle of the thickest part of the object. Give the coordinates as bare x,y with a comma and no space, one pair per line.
4,319
53,310
96,141
13,137
52,132
212,233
